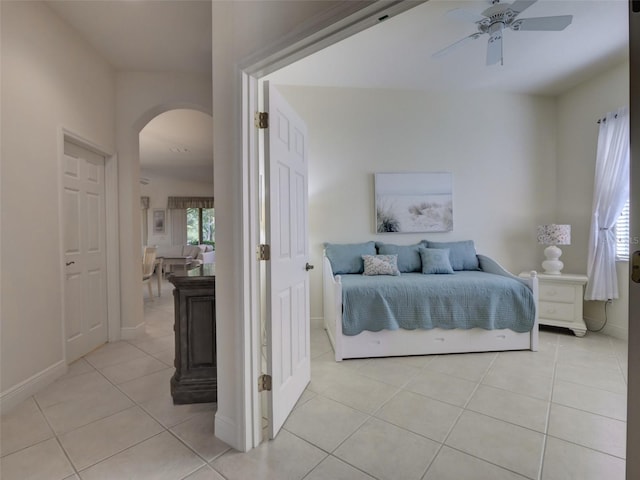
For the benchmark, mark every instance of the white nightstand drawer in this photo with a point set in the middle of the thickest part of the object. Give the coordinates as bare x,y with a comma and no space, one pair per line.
557,311
557,293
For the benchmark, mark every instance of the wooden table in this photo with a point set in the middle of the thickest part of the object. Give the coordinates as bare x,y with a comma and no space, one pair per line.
157,267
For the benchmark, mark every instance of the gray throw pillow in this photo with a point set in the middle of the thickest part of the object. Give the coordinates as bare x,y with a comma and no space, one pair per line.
380,265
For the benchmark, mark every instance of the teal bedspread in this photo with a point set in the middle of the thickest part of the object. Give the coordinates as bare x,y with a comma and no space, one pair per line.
465,299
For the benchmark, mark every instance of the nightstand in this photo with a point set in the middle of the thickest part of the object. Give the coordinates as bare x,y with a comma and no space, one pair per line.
560,301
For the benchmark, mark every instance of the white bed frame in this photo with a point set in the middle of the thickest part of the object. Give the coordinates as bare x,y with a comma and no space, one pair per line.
391,343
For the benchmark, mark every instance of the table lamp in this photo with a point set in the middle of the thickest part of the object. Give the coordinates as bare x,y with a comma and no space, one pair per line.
553,235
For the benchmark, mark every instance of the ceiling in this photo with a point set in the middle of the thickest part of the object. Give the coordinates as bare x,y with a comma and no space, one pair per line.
178,144
397,53
144,35
156,36
175,35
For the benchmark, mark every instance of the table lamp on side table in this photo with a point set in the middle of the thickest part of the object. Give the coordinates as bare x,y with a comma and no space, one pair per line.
553,235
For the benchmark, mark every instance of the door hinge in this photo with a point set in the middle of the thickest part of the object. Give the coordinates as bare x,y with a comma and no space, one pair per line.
264,383
264,252
261,119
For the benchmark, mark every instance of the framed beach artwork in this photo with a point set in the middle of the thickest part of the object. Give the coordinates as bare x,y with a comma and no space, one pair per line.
414,202
158,222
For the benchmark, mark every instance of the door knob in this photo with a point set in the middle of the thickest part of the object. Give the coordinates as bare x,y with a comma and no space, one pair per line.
308,267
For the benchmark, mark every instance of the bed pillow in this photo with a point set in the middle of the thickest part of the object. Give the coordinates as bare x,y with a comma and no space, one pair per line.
408,255
347,257
435,260
380,265
461,254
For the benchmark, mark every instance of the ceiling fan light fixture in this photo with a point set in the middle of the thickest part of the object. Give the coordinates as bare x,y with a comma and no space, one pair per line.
499,16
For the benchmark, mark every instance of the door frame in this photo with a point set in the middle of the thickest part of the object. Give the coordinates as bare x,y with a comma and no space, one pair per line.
343,21
111,232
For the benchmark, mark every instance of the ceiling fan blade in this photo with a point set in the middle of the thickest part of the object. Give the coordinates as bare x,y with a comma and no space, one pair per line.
455,45
557,23
520,6
494,48
464,15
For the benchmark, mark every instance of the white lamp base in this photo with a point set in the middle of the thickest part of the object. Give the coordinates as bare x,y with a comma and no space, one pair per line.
552,265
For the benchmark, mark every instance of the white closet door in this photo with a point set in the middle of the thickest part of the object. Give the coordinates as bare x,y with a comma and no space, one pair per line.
84,244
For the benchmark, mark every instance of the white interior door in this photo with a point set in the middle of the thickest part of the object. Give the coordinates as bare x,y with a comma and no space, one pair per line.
84,244
286,168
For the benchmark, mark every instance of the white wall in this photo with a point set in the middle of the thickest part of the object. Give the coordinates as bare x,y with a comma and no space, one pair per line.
51,78
499,147
578,111
158,190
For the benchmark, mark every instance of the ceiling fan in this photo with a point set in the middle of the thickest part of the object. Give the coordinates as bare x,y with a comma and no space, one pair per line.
496,18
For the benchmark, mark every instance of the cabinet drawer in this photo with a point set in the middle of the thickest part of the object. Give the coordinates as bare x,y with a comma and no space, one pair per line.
557,293
557,311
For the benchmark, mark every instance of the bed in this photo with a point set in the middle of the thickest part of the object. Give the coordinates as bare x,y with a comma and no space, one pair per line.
381,316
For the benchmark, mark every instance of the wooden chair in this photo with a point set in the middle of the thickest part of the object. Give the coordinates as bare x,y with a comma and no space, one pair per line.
148,265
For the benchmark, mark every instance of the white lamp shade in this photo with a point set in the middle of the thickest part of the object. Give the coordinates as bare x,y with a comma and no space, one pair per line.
553,234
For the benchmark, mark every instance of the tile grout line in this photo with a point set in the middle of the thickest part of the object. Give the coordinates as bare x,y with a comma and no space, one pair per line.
462,410
64,451
549,403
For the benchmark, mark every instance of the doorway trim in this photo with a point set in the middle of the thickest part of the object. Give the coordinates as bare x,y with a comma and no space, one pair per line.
112,232
338,23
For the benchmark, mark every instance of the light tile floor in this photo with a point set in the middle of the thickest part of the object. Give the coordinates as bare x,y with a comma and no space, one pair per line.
555,414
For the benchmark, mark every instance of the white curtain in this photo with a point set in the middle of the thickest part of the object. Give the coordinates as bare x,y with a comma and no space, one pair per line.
611,190
178,217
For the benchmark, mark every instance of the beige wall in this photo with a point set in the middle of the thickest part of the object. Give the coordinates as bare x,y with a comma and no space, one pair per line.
239,30
499,147
578,111
51,78
140,97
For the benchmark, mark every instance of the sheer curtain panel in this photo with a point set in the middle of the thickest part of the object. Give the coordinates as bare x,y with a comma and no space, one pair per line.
178,219
611,190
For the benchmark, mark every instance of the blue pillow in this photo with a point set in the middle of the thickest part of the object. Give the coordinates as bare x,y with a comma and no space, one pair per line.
435,260
461,254
408,255
347,257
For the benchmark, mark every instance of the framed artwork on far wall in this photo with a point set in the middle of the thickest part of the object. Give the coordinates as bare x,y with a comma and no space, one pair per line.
414,202
159,221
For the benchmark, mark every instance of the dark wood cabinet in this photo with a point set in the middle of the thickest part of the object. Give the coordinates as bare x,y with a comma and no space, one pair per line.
195,379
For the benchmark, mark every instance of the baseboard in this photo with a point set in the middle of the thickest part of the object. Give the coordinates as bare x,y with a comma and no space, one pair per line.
131,333
225,429
317,322
616,331
19,393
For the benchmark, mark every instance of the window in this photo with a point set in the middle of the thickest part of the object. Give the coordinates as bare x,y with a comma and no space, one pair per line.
622,234
201,226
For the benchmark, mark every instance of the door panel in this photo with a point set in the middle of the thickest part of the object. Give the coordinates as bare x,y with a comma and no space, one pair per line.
84,251
633,409
288,358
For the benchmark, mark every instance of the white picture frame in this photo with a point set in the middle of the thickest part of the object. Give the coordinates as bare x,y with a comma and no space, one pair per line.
159,221
413,202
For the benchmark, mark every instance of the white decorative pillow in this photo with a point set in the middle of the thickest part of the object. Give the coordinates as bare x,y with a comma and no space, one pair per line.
380,265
